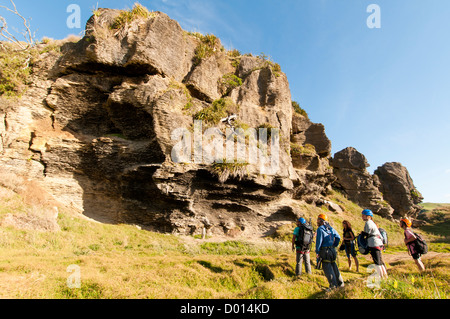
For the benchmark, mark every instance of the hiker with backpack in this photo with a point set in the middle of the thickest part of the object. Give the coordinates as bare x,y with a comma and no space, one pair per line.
414,243
327,239
349,244
374,242
301,242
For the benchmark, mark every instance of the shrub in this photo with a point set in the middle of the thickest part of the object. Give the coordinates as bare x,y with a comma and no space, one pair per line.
229,82
224,170
235,57
218,110
14,71
208,45
268,63
234,53
16,64
298,109
128,16
307,149
416,195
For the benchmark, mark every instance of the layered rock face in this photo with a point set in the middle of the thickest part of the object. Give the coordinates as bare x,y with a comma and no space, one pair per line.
389,192
148,124
310,152
99,124
398,189
350,169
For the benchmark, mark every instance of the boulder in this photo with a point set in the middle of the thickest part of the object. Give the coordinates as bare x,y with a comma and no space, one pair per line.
155,45
205,78
304,132
353,179
310,153
398,189
350,158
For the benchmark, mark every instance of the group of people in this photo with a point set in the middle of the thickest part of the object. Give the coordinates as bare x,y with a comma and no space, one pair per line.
328,239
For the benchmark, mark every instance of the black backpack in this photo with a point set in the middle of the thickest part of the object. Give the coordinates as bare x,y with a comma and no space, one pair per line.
362,243
305,237
421,245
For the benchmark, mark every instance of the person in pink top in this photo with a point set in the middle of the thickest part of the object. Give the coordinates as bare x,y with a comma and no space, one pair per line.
410,240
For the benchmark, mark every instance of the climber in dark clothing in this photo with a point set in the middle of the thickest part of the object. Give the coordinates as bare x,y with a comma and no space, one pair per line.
326,242
349,244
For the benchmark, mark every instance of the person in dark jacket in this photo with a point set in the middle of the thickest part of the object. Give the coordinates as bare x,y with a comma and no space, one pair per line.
349,244
327,240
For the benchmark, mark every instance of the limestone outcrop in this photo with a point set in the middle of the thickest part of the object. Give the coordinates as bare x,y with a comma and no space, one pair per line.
310,153
101,120
398,189
389,192
350,169
145,123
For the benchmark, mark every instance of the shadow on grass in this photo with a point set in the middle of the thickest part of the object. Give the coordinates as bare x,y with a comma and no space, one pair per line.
214,269
440,229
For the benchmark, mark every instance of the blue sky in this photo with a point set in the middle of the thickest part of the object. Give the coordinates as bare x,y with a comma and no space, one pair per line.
384,91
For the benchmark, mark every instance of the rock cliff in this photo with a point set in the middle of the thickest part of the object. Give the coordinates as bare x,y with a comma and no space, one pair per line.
136,123
398,189
100,121
389,192
350,169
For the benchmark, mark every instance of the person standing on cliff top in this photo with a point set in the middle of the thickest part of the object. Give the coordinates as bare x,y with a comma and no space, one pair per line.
326,242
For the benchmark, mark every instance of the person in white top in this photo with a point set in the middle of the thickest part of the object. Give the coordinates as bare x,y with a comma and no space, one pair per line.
375,242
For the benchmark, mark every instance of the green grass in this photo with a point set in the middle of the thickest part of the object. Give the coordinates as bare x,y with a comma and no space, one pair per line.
438,218
308,149
298,109
123,261
14,70
127,16
16,66
225,170
219,109
228,82
431,206
208,45
404,282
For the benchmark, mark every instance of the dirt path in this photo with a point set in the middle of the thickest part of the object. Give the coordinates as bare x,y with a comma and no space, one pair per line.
400,256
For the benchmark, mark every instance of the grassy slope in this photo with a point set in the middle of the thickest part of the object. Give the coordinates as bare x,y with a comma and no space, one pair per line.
122,261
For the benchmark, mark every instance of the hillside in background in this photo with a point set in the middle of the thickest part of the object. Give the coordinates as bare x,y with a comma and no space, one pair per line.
437,217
